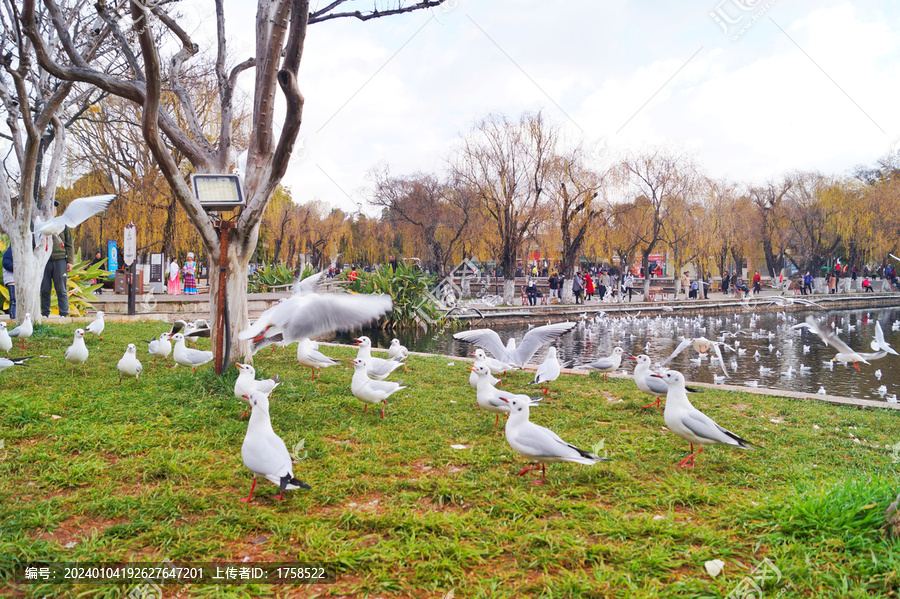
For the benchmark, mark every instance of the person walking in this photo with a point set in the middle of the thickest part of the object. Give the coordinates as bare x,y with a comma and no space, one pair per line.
725,283
588,286
577,288
173,286
605,285
757,282
189,272
56,273
554,288
734,281
9,280
628,285
685,284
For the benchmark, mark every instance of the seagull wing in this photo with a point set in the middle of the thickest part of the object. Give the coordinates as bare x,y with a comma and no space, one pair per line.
489,340
308,285
879,339
314,315
678,350
82,209
177,327
536,338
719,356
705,428
826,335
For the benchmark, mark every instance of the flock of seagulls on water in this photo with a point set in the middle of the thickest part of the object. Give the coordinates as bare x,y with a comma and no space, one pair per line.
307,314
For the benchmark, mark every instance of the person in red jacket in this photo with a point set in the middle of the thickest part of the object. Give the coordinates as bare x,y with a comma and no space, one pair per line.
588,285
757,282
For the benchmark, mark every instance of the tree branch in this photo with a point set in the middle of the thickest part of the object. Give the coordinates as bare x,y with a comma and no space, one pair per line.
322,14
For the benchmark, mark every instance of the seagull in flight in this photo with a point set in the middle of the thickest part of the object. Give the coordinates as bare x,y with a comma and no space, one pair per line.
510,353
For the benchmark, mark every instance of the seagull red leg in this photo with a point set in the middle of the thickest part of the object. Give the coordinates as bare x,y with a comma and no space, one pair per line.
252,486
543,475
650,405
527,469
497,422
383,406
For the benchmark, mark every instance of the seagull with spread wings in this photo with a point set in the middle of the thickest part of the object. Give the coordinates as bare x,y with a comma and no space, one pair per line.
510,353
701,345
76,213
844,353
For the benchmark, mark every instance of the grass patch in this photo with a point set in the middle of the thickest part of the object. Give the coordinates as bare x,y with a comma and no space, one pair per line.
147,470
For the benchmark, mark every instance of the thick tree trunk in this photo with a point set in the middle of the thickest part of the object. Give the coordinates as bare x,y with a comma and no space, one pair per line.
236,302
566,295
28,270
509,291
645,265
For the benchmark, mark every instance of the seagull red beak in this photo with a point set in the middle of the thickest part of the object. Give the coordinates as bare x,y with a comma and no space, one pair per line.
632,358
358,341
472,368
504,399
659,376
247,397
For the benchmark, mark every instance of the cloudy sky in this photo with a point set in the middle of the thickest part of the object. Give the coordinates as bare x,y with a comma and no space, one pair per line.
753,88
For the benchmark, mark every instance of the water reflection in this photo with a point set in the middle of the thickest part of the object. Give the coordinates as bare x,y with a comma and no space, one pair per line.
766,339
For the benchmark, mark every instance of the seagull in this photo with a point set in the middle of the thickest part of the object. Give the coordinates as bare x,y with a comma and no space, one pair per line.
77,353
764,370
691,424
605,365
494,365
187,356
482,361
517,356
540,444
492,399
161,347
701,345
805,349
309,355
97,326
650,384
879,344
369,391
264,452
23,331
129,365
878,374
821,390
547,372
76,213
844,353
829,364
191,330
891,398
378,368
5,341
310,314
246,384
718,378
398,351
882,390
7,362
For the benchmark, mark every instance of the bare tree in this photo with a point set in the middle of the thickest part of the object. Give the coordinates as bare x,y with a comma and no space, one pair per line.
767,200
37,110
506,164
281,27
652,178
438,212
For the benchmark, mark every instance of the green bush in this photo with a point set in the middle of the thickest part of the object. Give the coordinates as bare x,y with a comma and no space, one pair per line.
410,289
273,275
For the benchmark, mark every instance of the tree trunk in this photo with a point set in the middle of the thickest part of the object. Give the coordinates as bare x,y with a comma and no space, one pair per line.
509,290
236,303
566,295
645,265
28,270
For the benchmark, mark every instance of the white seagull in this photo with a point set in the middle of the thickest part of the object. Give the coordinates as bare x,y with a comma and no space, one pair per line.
368,390
77,353
844,353
309,355
264,452
129,365
547,372
7,362
649,384
378,368
510,353
492,399
161,347
494,365
23,331
246,384
605,365
691,424
186,356
96,327
701,345
879,344
540,444
5,340
76,213
398,351
310,314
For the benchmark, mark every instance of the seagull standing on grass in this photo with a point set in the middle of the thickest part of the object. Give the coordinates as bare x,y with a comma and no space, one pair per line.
649,384
96,327
77,353
264,453
517,356
547,372
378,368
308,355
23,331
605,365
398,351
492,399
494,365
186,356
691,424
246,384
540,444
5,340
129,365
368,390
161,347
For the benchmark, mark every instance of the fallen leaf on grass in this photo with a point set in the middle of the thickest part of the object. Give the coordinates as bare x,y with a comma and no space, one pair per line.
459,446
713,567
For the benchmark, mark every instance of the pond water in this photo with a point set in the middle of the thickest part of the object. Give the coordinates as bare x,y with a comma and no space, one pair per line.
766,338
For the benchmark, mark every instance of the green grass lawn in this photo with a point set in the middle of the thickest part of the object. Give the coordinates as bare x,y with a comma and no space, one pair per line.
144,471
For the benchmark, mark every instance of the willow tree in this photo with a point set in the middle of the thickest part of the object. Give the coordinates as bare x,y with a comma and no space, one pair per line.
157,66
